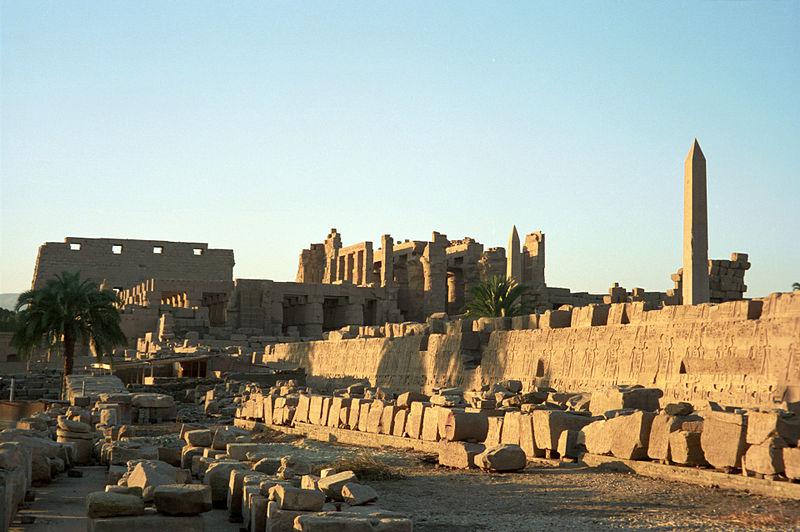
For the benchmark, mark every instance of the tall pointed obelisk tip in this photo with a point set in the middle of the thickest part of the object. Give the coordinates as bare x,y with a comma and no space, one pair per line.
695,152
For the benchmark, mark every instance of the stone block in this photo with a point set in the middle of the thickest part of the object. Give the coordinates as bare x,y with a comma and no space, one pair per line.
199,438
258,513
494,430
326,410
765,458
375,416
363,416
404,400
297,499
280,520
465,426
430,424
399,428
663,425
685,448
353,414
791,462
356,494
387,419
148,474
182,499
631,435
315,409
416,414
189,452
332,523
332,485
459,454
723,439
548,425
101,504
225,435
218,476
234,494
526,438
568,444
303,409
762,426
604,400
510,432
502,458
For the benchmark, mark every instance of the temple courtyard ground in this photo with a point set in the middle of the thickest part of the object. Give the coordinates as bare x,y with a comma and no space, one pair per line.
541,497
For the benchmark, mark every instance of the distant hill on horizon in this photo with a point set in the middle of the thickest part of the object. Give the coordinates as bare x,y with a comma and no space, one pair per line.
7,301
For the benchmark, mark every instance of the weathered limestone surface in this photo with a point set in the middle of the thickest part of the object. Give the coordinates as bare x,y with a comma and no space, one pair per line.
679,349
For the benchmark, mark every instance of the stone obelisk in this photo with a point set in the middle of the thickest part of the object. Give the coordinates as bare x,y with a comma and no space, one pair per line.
695,228
514,257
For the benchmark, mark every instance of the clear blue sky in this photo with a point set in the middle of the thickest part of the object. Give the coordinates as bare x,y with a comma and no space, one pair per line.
258,126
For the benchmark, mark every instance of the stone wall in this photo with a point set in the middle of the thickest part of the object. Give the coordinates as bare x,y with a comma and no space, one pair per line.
743,353
125,263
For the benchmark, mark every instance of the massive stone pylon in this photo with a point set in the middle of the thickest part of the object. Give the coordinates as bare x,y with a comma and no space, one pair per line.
514,257
695,228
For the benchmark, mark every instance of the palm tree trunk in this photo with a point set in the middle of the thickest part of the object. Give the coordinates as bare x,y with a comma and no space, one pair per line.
69,355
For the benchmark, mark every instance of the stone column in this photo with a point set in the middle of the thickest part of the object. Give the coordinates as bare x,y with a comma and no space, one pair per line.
387,268
514,257
695,228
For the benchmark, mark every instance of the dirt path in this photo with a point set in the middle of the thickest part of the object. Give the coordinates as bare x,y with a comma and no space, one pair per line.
61,506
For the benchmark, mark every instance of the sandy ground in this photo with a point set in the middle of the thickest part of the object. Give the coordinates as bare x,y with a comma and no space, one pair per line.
439,499
574,498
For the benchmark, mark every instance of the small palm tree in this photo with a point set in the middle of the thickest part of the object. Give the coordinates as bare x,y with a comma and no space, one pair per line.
67,309
795,286
497,297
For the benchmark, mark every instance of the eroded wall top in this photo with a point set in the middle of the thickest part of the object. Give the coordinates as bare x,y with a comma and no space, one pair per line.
124,263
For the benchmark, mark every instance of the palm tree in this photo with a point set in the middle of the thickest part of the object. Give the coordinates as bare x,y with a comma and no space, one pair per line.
795,286
67,309
497,297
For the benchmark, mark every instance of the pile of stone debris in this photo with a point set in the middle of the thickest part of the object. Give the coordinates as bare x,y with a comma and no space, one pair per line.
29,456
627,422
260,486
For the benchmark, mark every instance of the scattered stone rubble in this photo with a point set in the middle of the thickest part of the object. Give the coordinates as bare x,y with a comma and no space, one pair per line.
500,427
260,487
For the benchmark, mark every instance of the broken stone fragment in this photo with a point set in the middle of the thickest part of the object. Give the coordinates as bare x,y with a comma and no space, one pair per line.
268,466
502,458
332,484
631,435
102,504
465,426
621,397
459,454
148,474
568,444
678,409
356,494
199,438
218,476
182,499
764,425
404,400
765,458
685,448
723,439
791,462
289,498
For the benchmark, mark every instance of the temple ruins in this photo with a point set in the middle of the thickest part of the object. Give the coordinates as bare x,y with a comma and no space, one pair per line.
195,418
